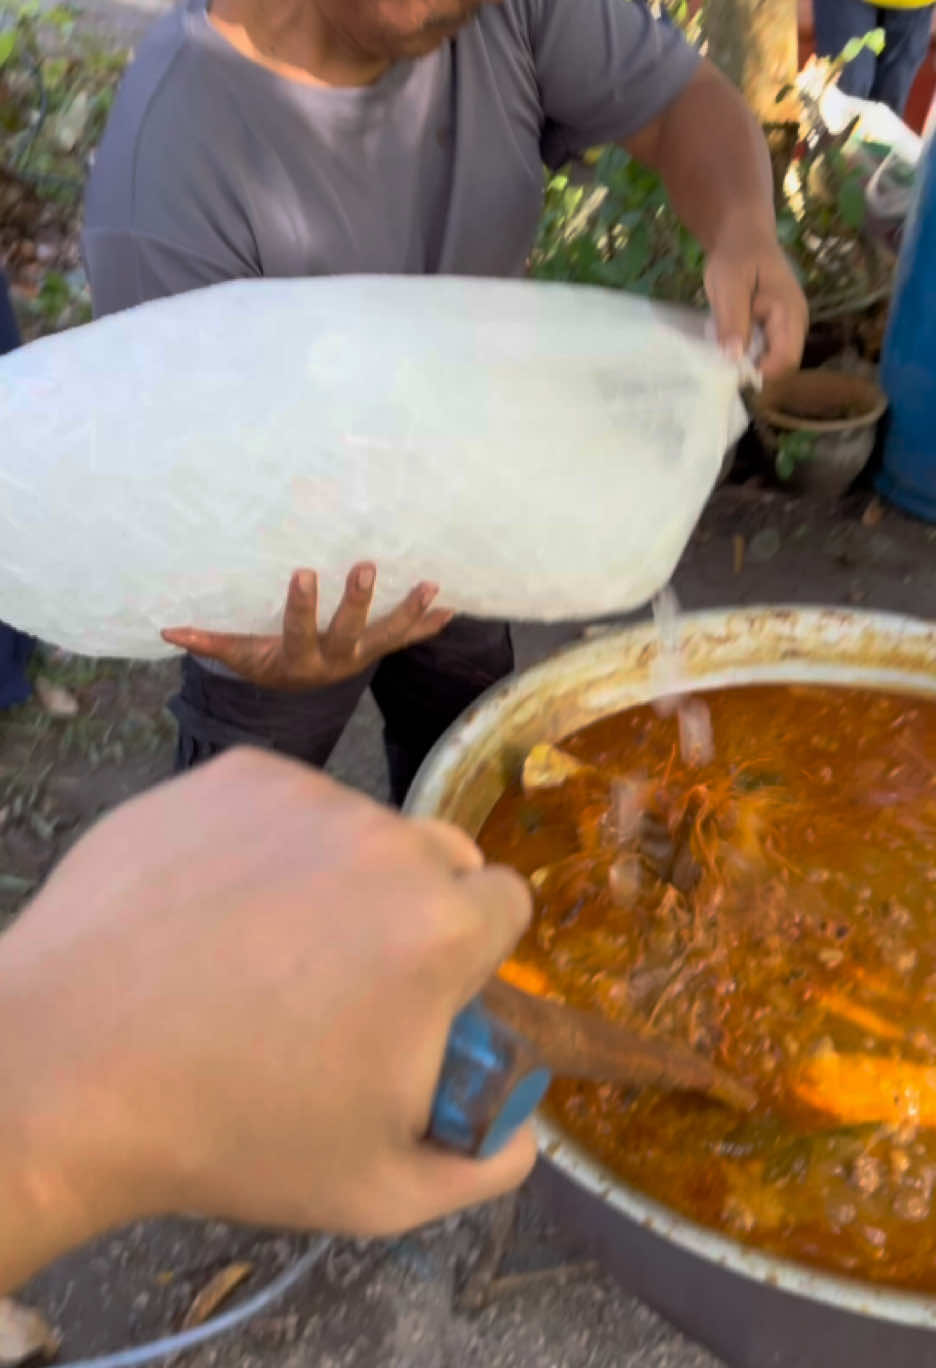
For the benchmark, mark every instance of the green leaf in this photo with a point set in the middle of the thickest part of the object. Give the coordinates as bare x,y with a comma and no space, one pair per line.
8,44
787,229
629,218
872,41
54,295
633,258
693,257
784,464
851,202
60,17
650,281
806,447
794,448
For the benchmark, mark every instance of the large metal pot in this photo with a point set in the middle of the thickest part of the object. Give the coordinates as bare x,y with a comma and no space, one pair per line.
755,1310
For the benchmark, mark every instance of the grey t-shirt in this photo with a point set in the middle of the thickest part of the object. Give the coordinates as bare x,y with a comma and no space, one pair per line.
214,167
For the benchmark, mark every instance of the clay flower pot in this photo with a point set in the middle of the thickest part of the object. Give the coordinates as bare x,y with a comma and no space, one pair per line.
820,426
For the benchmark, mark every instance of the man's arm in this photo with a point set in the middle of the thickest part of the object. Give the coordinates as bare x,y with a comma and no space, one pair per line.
233,997
711,153
713,159
608,72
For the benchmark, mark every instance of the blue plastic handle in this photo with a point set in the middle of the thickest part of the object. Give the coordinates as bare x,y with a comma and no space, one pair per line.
491,1082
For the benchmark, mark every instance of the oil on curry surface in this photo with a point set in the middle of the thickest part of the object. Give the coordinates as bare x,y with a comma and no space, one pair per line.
763,889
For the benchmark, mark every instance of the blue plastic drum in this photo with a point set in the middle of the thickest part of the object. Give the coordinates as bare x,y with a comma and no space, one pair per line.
908,366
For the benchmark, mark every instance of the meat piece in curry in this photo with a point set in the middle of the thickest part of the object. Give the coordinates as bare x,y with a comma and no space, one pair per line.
772,903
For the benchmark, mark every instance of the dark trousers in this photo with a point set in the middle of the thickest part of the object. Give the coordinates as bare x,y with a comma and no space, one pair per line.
420,692
15,647
9,332
888,78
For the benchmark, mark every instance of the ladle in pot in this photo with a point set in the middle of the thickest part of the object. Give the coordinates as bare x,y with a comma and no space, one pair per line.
577,1044
505,1047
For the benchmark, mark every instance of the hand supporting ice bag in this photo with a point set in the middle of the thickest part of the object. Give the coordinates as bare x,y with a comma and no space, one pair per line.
540,451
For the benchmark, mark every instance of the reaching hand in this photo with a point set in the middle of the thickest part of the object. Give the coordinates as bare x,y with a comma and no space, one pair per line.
233,997
748,281
302,657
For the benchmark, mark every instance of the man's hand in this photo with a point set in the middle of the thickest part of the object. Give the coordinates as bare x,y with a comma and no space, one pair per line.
712,156
302,657
749,281
233,997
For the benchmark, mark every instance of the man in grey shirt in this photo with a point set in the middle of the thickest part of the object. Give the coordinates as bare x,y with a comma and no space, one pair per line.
305,137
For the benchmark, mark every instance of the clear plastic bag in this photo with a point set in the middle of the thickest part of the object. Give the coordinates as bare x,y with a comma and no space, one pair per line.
540,451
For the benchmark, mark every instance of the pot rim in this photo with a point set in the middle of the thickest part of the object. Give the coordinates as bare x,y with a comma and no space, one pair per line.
790,423
905,674
821,426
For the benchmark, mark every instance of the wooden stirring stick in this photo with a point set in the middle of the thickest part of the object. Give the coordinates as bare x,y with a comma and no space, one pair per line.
576,1044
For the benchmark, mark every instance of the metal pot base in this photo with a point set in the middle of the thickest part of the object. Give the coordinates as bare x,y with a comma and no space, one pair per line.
746,1323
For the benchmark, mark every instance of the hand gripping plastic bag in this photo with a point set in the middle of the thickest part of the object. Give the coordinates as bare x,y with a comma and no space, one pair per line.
540,451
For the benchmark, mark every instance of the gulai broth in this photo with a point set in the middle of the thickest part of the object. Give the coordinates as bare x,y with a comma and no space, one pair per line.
772,903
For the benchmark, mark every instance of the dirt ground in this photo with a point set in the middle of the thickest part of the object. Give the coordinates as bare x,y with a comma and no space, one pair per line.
389,1303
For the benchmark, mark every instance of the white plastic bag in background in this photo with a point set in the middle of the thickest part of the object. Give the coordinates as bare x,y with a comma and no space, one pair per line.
540,451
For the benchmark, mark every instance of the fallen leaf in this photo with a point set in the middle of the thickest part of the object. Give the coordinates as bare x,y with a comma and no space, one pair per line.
873,513
215,1291
25,1334
56,701
737,554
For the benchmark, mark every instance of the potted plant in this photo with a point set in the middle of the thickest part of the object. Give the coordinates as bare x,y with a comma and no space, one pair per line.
820,426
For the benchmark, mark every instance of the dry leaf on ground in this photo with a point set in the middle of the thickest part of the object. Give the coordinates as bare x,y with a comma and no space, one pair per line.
56,700
873,513
215,1291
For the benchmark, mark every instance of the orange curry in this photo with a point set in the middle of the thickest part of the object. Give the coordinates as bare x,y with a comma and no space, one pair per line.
773,904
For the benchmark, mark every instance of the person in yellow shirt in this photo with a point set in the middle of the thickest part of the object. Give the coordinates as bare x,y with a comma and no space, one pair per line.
887,78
